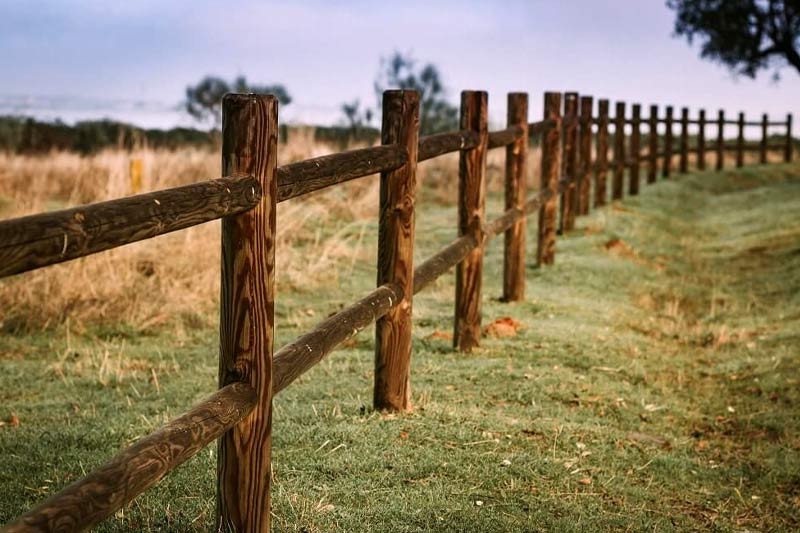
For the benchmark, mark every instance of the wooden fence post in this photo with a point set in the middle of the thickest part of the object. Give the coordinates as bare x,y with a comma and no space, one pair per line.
247,297
740,142
471,208
721,139
570,167
701,140
550,174
635,149
684,142
667,168
763,148
787,155
400,125
601,170
652,148
617,184
585,155
516,160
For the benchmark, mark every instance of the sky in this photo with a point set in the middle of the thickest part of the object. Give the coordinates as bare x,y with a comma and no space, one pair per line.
132,60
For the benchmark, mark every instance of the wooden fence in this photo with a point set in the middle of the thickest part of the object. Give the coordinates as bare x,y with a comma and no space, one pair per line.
239,414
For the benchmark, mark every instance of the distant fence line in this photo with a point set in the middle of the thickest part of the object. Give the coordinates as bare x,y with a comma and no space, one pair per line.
239,415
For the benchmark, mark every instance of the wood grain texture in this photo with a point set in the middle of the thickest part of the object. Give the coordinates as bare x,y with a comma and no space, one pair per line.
550,170
247,299
304,177
585,155
400,125
34,241
683,164
740,142
90,500
787,150
635,149
601,166
297,357
652,145
763,151
701,140
431,146
570,163
471,209
537,129
515,193
666,169
508,136
720,147
513,215
618,179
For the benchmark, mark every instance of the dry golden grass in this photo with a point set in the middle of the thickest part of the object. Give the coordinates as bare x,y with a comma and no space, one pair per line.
174,279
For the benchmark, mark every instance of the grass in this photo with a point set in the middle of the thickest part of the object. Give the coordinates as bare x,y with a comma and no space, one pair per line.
653,386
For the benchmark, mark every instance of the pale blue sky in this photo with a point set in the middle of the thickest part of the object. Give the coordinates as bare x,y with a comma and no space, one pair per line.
132,60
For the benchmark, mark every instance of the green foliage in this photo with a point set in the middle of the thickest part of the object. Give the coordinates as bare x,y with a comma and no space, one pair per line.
744,35
400,71
204,100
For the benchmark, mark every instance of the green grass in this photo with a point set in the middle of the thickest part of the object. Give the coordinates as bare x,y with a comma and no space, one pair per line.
654,387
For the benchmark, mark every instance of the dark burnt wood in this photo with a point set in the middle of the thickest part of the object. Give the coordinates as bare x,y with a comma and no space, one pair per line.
652,145
585,155
740,142
431,146
701,140
471,209
400,125
601,167
683,164
666,169
720,148
304,177
515,193
618,178
247,318
635,149
550,170
34,241
92,499
787,150
762,154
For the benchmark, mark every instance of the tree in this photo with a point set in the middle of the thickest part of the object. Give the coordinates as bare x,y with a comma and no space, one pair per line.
744,35
204,100
399,72
355,117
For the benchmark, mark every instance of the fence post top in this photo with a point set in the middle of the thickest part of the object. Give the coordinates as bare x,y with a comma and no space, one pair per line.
243,98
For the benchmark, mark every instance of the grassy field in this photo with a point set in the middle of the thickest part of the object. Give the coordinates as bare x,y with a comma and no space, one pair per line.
652,385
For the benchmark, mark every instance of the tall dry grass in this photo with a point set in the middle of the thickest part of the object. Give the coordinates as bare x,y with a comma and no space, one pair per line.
174,279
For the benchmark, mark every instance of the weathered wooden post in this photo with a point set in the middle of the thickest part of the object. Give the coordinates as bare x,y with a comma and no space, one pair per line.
721,139
617,184
247,297
471,207
684,142
652,148
666,170
601,171
763,148
701,140
740,142
635,149
568,196
787,154
585,172
400,125
516,161
550,174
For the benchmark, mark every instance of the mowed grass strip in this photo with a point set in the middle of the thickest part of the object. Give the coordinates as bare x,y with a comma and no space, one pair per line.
648,382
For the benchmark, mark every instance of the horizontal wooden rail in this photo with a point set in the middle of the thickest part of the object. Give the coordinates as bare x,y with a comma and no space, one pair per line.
537,128
108,488
431,146
504,137
39,240
510,217
442,261
303,177
294,359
